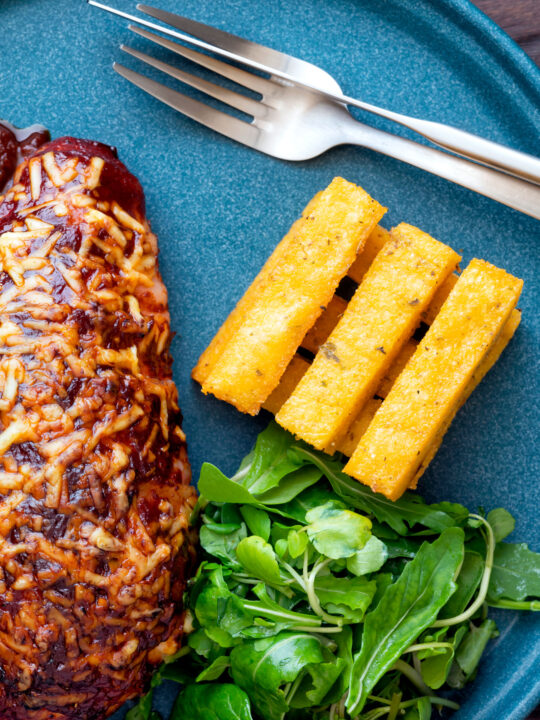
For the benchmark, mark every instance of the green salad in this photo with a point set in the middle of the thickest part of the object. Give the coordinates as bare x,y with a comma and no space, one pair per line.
317,598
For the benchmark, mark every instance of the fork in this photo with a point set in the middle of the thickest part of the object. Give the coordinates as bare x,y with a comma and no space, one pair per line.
302,112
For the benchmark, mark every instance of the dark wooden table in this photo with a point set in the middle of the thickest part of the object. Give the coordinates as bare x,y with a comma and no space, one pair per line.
521,20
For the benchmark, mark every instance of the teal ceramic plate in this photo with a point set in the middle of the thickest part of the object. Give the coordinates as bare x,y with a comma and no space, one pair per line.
219,208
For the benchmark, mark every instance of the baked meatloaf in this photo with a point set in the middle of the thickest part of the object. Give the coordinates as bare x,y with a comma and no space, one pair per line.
95,494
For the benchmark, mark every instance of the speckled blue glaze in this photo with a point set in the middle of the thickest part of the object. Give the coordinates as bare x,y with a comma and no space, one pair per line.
219,208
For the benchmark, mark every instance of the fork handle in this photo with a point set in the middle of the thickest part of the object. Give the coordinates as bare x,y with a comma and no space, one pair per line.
463,143
514,192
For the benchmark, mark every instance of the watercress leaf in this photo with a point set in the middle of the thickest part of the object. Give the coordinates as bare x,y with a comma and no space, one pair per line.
281,547
270,461
515,574
261,667
203,645
222,546
297,542
230,513
258,521
467,581
347,596
214,670
217,487
290,486
400,514
258,559
502,523
473,645
407,607
219,611
337,533
369,559
217,701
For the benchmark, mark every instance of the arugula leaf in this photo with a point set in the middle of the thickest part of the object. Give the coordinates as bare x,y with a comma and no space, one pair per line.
515,574
143,709
335,532
261,667
471,649
291,485
217,487
421,711
403,547
307,500
407,511
502,523
318,682
349,597
270,461
369,559
212,702
407,607
258,521
214,670
435,668
259,560
468,580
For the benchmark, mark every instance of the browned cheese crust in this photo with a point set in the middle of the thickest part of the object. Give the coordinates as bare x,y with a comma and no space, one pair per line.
94,478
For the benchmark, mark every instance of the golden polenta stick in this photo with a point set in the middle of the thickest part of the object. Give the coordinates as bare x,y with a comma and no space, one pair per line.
390,376
379,319
212,353
487,363
318,334
427,393
289,380
287,297
374,244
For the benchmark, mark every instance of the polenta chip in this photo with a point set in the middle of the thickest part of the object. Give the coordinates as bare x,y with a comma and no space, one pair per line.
378,321
426,395
244,363
487,363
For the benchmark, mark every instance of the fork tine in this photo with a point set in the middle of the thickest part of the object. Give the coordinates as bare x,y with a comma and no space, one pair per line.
210,117
274,60
234,99
241,77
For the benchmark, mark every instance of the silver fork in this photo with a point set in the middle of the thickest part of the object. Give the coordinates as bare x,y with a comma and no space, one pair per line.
302,113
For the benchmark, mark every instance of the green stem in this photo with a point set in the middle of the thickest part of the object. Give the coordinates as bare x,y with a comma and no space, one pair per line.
427,646
484,584
312,595
533,605
412,675
297,577
260,609
333,629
